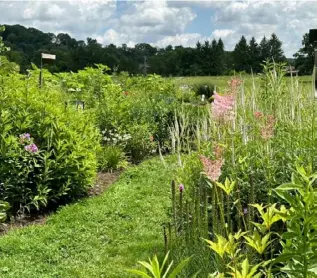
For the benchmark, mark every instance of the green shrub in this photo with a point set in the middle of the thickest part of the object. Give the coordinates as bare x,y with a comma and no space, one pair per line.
206,89
141,144
63,164
111,158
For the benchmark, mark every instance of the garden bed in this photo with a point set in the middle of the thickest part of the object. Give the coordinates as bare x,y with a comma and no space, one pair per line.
104,180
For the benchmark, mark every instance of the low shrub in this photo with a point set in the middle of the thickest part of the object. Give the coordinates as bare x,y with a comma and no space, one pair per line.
111,158
204,89
141,144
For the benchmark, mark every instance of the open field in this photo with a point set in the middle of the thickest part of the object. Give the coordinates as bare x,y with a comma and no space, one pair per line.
221,82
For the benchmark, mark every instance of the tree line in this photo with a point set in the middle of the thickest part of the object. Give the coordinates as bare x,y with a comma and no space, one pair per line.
206,58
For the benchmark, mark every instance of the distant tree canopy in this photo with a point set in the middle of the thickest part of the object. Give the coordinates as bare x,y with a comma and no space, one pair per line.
304,58
206,58
5,65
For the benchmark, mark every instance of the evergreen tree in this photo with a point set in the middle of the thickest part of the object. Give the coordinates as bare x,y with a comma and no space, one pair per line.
241,56
264,50
207,61
220,58
199,59
254,55
213,58
276,51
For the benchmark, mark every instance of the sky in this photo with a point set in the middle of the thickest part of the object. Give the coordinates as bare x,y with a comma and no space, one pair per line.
161,22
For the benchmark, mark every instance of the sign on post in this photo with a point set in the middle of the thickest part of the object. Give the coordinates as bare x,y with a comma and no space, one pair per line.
45,56
48,56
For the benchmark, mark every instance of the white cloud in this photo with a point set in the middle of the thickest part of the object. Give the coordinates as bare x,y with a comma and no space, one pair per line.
189,39
113,37
222,33
290,20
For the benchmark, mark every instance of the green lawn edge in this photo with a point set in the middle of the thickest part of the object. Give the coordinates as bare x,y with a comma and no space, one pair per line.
97,237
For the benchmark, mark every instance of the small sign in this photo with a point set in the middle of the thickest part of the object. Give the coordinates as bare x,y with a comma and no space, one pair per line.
48,56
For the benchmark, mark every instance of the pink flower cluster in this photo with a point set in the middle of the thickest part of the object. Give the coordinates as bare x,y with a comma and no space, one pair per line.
223,107
267,130
212,168
31,148
258,115
234,84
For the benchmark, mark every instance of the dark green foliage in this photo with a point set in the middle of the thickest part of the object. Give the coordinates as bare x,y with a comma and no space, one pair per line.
276,51
241,55
254,55
207,58
204,89
304,58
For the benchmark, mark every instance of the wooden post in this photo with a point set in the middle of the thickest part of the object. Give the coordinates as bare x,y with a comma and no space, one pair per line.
48,57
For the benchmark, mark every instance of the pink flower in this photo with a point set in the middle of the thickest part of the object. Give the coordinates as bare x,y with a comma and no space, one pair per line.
25,137
258,114
222,107
268,130
234,84
31,148
218,151
212,168
181,188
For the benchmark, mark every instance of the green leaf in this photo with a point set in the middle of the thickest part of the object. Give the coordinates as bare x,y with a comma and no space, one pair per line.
289,186
179,268
139,272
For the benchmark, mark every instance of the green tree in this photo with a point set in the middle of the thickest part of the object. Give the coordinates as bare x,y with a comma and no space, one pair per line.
276,51
304,57
264,50
3,48
241,55
5,65
254,55
220,58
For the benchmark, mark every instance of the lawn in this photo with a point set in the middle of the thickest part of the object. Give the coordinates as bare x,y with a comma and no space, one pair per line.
97,237
221,82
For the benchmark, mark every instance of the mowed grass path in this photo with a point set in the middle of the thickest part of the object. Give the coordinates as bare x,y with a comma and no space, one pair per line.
97,237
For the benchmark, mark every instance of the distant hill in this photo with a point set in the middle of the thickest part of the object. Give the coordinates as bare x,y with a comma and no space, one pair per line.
208,58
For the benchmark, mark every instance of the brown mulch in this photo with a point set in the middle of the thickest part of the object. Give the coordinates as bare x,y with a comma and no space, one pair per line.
104,180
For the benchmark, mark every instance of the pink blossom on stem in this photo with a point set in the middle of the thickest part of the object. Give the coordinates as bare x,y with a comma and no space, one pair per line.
223,106
234,84
212,168
31,148
258,114
267,130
